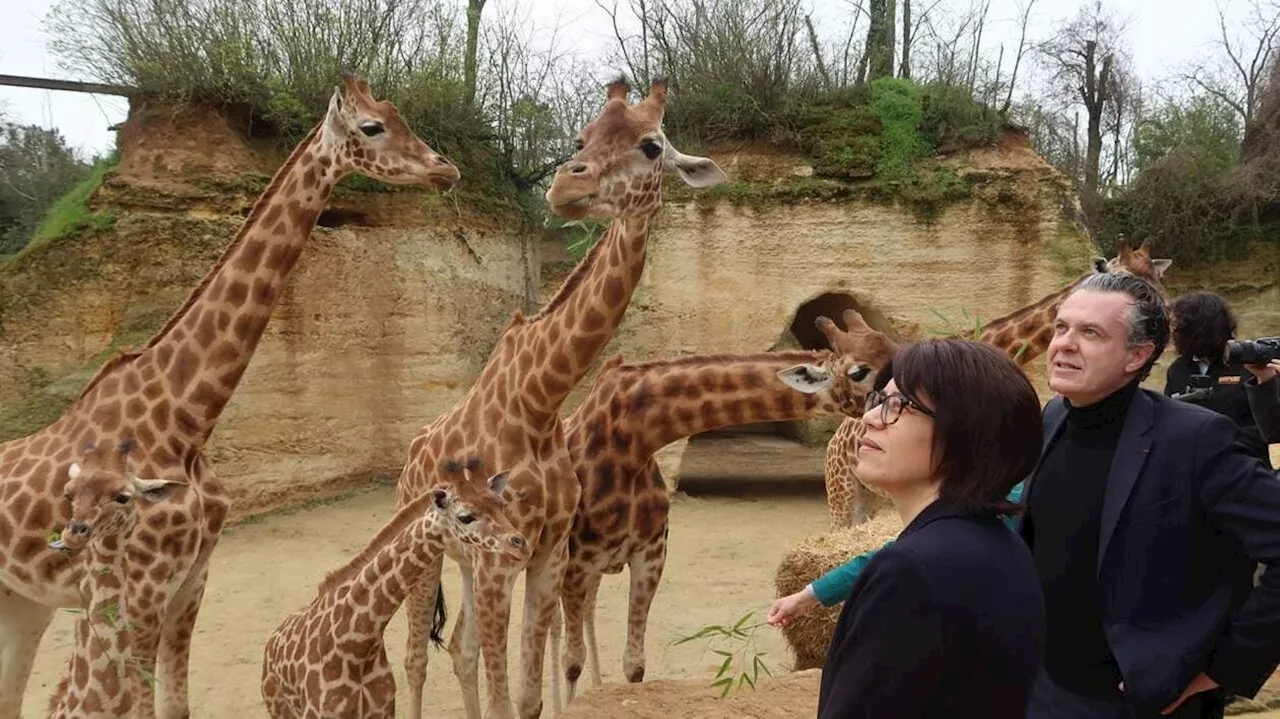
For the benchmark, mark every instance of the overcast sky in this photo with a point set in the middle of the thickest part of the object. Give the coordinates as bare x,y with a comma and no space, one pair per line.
1163,34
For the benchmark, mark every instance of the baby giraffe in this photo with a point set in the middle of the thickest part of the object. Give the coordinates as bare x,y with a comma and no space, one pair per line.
100,680
329,660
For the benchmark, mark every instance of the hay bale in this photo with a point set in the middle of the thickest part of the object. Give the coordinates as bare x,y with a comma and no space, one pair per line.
810,636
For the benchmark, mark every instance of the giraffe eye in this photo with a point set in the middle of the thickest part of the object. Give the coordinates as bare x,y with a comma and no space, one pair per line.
857,374
372,128
578,145
123,498
651,149
466,518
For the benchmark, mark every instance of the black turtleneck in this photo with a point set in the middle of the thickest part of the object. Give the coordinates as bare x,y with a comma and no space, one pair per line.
1065,509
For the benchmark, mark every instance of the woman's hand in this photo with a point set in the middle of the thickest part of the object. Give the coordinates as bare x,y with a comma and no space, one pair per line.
1264,372
792,606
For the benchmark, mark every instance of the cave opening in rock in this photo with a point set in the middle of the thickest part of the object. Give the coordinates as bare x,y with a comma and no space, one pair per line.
333,217
775,456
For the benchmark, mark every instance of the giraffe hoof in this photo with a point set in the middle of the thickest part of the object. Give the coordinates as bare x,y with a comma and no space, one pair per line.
636,676
573,672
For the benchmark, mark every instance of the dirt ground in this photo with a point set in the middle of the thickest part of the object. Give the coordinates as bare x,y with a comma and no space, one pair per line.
722,557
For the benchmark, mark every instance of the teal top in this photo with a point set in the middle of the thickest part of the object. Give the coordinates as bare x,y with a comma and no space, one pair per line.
834,586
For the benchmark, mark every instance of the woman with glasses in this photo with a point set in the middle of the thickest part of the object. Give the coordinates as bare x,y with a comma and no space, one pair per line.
948,621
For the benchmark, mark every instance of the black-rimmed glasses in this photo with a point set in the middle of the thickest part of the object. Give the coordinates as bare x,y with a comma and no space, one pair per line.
891,406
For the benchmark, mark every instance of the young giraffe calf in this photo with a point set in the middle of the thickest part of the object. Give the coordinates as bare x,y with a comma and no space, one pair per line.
101,680
329,660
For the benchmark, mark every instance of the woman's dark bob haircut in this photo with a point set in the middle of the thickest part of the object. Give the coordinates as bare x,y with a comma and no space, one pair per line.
1202,324
987,429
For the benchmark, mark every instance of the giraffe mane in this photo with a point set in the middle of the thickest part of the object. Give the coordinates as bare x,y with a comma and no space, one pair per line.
124,357
580,271
1022,311
716,359
394,527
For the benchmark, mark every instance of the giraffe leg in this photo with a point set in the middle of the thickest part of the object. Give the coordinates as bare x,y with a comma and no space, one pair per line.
572,594
589,620
22,624
464,643
174,651
420,602
542,584
553,656
645,568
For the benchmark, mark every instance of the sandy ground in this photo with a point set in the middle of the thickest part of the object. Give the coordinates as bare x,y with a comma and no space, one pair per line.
723,554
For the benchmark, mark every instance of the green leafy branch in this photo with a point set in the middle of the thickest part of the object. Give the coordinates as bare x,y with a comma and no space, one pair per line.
741,665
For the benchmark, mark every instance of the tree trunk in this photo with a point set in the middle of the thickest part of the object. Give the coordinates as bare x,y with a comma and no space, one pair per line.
905,70
1094,94
474,8
880,37
817,53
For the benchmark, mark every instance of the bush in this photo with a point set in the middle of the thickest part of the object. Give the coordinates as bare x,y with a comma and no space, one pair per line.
897,103
840,134
953,120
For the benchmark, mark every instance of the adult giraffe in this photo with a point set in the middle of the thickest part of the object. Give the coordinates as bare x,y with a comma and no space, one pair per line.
168,396
510,417
633,411
1024,335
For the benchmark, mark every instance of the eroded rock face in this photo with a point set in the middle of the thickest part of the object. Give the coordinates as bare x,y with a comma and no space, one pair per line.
389,315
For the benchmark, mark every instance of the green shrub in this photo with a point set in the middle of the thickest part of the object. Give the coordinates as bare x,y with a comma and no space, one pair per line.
840,134
897,103
954,120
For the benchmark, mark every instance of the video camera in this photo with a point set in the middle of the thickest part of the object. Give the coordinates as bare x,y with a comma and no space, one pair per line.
1259,351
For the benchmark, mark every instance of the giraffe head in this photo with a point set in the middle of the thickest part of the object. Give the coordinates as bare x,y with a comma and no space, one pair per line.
368,136
1135,262
617,169
104,495
472,512
857,354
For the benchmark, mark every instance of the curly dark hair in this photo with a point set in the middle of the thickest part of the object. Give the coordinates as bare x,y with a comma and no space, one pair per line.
1202,324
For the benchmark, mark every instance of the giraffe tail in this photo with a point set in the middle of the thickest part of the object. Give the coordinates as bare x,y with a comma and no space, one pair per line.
441,616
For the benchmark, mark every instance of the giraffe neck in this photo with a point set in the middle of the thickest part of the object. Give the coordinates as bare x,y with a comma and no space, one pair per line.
569,334
205,347
1025,334
381,574
103,635
657,403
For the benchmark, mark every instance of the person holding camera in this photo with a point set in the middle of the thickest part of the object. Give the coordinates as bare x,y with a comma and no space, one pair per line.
1202,326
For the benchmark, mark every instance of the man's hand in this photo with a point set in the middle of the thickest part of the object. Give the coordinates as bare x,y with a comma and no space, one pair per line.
1202,683
1265,372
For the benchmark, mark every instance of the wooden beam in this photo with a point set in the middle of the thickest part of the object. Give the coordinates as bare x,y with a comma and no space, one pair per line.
42,83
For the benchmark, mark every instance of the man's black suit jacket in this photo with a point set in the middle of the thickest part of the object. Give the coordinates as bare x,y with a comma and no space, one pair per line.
1187,514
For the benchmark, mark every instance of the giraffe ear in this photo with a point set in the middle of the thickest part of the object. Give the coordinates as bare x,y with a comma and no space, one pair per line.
498,482
806,378
1161,266
155,490
695,171
73,472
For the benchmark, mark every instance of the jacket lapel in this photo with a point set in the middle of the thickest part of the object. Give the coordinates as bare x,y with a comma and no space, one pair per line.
1131,454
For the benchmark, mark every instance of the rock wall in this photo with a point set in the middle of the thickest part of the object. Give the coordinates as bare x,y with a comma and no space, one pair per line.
389,315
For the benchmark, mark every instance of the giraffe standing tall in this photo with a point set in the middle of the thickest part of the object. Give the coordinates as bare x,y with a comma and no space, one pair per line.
100,678
329,659
510,417
168,397
1024,335
633,411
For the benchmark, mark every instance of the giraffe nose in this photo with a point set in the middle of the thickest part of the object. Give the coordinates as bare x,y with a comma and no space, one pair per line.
78,528
578,168
441,160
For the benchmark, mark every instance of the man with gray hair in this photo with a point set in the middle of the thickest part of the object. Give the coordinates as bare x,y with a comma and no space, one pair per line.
1146,517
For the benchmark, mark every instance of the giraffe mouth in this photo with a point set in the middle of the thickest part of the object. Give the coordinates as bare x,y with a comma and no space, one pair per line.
575,209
